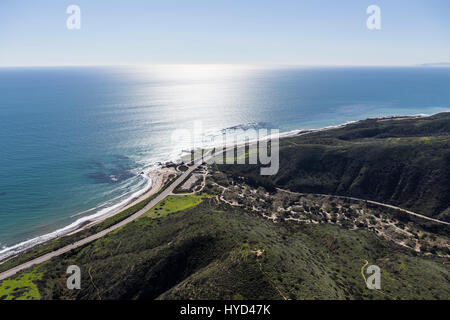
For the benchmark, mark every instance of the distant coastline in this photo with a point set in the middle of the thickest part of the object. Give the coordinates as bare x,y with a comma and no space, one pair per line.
436,64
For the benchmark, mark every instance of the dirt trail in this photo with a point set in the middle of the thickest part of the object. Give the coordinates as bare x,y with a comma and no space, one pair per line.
372,202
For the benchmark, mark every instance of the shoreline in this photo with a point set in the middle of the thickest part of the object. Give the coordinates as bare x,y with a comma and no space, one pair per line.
158,177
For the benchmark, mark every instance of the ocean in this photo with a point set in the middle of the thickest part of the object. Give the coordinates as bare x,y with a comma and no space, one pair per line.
74,140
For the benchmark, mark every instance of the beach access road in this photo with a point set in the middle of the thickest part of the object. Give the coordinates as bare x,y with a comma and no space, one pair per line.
80,243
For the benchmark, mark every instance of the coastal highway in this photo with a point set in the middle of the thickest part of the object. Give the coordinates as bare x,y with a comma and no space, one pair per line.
50,255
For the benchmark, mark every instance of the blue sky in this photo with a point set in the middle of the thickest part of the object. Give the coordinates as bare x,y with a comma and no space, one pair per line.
319,32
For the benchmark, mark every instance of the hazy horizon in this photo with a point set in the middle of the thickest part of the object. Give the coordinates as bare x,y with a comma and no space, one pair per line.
442,64
292,33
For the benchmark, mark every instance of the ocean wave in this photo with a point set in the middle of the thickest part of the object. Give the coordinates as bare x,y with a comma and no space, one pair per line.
6,252
250,125
112,201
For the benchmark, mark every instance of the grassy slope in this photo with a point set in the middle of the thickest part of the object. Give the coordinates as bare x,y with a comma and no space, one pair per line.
208,251
174,204
22,287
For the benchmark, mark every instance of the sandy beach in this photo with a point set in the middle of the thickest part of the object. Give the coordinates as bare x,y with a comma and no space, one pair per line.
158,178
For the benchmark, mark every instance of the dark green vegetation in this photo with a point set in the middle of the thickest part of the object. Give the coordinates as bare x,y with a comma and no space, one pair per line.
404,162
209,250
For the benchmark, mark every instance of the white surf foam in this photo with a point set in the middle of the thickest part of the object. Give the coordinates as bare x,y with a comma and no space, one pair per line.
6,252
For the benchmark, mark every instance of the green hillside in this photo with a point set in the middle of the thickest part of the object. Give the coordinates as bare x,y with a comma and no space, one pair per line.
210,251
405,162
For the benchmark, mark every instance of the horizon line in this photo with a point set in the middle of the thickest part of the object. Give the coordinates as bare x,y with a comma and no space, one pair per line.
290,65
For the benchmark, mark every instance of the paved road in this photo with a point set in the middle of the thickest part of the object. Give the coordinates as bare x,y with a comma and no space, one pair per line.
96,236
372,202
